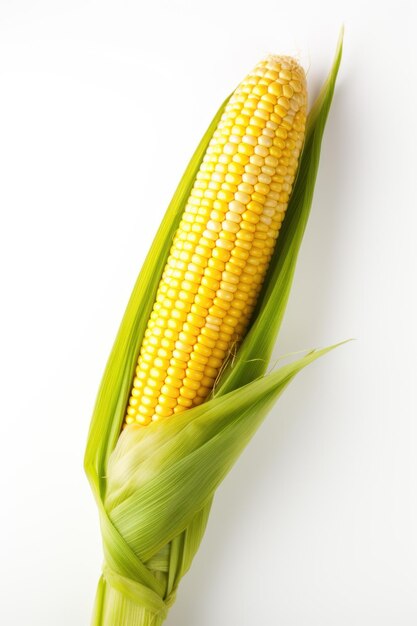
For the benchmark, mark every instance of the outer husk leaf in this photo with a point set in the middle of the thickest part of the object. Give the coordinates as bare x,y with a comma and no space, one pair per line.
154,485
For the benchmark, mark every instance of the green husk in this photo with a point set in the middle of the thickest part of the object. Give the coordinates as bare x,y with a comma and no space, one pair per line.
154,486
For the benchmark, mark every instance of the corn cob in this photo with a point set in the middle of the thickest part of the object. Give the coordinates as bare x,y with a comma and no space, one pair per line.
224,243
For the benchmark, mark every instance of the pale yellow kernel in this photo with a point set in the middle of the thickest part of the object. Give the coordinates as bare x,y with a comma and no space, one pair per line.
229,226
198,310
225,195
167,401
173,325
275,89
246,188
200,348
263,115
240,301
202,301
276,152
262,188
203,251
220,254
222,304
265,104
230,148
254,131
251,103
259,89
249,178
234,138
236,207
241,158
246,149
251,217
161,411
161,363
205,293
187,393
196,365
224,158
225,286
191,384
210,281
193,374
239,255
179,313
208,331
226,243
240,120
210,235
180,355
173,382
210,371
225,295
196,320
184,296
145,411
215,267
273,63
250,140
148,391
191,330
230,277
217,311
170,391
256,163
246,225
214,362
285,74
206,341
216,215
242,197
238,129
232,216
218,354
284,102
265,142
185,402
232,179
183,346
272,74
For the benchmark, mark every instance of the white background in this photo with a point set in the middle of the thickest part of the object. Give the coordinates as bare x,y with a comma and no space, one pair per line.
101,105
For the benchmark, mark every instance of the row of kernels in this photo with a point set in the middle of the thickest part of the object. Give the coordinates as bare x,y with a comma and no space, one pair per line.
212,228
183,295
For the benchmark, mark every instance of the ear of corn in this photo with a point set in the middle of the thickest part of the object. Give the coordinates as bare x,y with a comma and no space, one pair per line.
224,243
154,485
